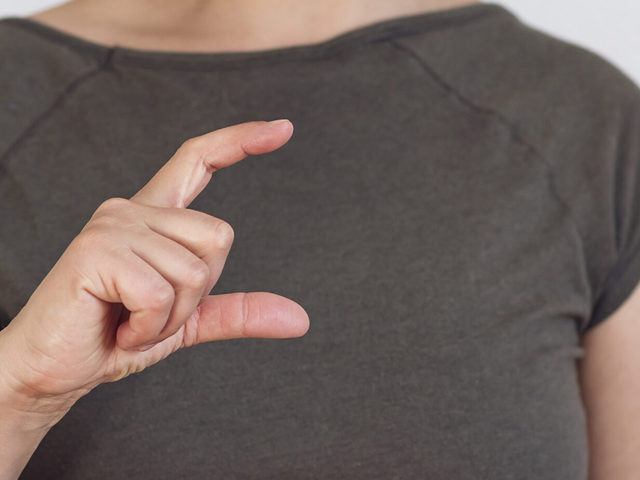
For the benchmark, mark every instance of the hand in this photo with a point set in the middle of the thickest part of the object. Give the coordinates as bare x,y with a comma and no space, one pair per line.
133,286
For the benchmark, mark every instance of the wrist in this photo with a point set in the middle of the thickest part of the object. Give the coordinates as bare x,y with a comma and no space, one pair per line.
25,415
22,407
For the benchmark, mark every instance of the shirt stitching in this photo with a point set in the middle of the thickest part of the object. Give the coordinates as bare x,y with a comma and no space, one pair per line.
301,53
515,135
33,127
37,30
359,37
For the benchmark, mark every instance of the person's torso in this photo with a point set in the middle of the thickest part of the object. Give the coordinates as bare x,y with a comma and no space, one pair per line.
442,274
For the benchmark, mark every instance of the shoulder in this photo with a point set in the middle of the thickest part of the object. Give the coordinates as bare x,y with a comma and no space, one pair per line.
577,110
579,113
537,80
37,64
38,48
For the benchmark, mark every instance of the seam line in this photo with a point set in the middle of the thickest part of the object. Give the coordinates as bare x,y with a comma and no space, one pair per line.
325,50
486,110
78,50
44,115
619,271
373,32
515,135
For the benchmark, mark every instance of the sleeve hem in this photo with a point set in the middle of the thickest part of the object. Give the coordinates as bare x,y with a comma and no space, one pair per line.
617,288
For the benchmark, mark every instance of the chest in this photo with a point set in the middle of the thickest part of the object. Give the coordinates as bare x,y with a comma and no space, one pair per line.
439,270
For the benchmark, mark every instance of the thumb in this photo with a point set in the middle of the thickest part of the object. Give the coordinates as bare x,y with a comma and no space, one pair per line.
245,315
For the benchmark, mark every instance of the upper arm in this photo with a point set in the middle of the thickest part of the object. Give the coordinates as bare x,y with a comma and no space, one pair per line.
610,381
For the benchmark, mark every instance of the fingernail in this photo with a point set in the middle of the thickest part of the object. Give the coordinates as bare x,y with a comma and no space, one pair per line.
278,122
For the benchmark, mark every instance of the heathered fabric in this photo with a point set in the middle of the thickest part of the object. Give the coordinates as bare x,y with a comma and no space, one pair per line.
459,202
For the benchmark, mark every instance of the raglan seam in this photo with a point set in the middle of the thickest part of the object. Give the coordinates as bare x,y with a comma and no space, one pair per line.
39,32
47,112
515,135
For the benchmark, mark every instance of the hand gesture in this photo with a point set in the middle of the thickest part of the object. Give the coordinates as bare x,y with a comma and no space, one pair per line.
132,287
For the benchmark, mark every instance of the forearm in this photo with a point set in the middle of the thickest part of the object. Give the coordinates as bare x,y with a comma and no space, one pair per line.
17,442
24,418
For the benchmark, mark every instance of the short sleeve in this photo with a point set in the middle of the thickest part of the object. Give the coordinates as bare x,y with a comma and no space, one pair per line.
4,319
623,275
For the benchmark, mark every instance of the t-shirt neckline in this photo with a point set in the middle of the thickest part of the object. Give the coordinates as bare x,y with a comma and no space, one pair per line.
380,30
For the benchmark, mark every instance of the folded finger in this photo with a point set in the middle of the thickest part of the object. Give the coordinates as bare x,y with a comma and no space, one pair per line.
187,274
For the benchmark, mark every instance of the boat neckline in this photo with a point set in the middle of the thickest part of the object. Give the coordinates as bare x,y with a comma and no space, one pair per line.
372,32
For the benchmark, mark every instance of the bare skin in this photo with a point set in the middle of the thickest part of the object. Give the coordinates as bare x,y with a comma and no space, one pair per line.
610,371
132,287
225,25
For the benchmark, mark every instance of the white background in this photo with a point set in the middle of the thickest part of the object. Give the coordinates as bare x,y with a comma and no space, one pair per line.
610,28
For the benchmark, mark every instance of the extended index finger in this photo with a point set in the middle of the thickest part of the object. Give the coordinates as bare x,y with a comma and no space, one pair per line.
185,175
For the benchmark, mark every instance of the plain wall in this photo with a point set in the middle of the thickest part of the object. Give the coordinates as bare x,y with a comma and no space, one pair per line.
609,28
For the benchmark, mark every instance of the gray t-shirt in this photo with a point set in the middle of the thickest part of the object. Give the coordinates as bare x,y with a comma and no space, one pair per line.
459,202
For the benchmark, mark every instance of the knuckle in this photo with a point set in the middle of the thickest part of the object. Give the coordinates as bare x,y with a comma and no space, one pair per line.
92,238
198,274
104,222
193,146
224,235
161,296
114,204
111,211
